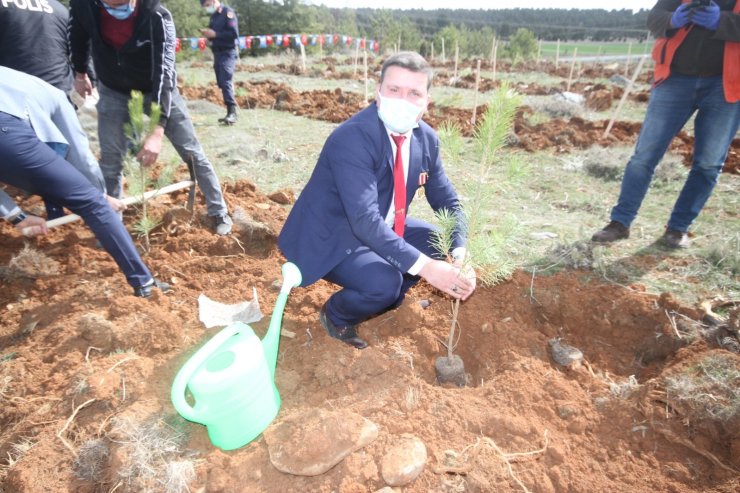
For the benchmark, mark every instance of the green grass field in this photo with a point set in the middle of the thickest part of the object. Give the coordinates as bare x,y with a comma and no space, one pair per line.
585,48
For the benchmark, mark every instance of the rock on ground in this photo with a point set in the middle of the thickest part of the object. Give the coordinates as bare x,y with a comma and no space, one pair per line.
312,442
404,461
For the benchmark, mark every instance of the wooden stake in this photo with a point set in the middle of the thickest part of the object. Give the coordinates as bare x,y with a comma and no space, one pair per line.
54,223
629,59
624,98
364,61
493,51
399,41
475,100
303,58
557,54
431,58
457,56
572,67
444,58
495,60
539,51
357,55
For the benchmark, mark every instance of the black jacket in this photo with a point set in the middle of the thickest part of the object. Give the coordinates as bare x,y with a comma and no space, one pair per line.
224,23
33,39
145,63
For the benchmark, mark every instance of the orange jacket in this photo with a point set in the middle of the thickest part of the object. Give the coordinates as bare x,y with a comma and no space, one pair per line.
665,48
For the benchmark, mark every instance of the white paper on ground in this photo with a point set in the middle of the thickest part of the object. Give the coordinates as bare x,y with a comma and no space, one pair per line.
213,314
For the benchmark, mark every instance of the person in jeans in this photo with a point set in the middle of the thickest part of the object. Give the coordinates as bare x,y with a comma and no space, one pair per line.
35,136
697,70
133,49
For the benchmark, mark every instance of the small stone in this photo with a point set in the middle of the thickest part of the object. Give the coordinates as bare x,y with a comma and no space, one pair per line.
425,304
542,235
486,328
96,330
404,462
566,412
563,354
283,197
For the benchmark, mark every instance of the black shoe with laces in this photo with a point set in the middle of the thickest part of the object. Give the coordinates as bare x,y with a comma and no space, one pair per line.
612,232
673,238
145,291
346,334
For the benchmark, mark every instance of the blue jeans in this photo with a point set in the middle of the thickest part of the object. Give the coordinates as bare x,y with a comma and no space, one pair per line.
113,115
31,165
671,105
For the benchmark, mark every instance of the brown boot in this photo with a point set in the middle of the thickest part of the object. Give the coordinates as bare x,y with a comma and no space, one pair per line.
672,238
612,232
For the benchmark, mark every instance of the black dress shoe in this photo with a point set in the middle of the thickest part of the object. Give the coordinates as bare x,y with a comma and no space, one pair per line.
145,291
346,334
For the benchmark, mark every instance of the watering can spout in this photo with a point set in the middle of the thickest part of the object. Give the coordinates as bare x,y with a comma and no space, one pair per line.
291,278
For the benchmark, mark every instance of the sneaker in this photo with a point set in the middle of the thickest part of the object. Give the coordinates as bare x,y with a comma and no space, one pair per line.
222,224
673,238
145,291
612,232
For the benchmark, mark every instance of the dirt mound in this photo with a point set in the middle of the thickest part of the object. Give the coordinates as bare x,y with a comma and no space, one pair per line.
86,368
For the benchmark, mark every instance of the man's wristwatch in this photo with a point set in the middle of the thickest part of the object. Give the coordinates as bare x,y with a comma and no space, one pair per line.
20,217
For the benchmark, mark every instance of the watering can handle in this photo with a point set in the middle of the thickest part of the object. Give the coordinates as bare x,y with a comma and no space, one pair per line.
189,368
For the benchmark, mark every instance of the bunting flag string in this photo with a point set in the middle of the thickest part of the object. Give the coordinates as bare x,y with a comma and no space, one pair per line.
265,41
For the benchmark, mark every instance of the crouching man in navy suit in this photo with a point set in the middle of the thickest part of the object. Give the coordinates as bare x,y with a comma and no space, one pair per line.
349,225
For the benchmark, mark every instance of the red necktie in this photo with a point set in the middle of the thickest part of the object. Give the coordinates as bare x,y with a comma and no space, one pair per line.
399,187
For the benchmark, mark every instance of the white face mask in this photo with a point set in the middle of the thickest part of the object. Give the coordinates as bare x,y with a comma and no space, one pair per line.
210,9
399,115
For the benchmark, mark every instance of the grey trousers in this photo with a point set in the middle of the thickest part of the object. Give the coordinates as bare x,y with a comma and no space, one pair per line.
113,115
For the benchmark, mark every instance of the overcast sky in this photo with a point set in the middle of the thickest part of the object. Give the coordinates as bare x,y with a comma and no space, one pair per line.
488,4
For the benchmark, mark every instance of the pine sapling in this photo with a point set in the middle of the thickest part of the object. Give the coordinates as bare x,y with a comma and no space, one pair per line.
140,178
487,245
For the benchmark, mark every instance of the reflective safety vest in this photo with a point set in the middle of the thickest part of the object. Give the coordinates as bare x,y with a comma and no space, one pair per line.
665,48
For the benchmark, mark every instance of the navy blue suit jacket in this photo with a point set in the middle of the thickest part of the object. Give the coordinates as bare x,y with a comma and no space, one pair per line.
347,198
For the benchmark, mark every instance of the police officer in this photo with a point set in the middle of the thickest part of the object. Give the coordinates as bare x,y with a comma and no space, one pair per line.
33,37
223,32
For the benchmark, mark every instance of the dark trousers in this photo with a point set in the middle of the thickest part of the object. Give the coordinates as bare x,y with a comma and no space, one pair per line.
224,63
370,284
31,165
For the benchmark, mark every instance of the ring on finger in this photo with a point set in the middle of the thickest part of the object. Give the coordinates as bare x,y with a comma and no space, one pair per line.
454,288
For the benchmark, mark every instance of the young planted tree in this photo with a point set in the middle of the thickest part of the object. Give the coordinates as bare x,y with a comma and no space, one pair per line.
487,243
140,178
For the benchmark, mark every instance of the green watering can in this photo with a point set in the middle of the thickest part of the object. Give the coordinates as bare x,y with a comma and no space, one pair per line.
232,378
